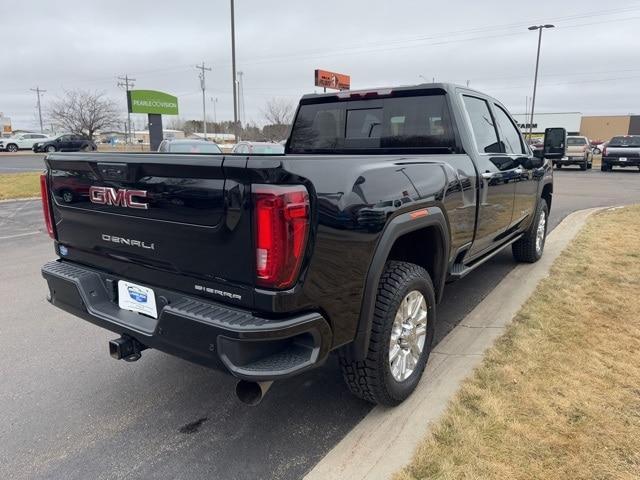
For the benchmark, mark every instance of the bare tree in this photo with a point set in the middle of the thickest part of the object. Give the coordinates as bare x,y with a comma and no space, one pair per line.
278,113
83,112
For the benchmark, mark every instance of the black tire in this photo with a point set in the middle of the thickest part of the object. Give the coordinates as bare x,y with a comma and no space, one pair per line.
12,147
605,167
558,166
584,166
371,379
50,149
525,249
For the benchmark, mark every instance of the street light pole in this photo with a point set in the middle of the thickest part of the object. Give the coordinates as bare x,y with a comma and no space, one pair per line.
233,72
535,78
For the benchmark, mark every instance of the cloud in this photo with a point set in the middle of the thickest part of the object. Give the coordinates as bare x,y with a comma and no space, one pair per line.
587,62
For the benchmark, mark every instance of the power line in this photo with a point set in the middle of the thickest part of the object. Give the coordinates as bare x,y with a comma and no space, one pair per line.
39,92
128,84
203,86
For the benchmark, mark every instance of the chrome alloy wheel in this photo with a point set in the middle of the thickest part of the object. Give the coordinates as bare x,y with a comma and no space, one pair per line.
408,335
542,228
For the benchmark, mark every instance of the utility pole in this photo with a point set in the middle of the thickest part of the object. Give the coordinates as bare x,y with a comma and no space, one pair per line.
215,118
241,115
39,92
535,78
233,73
128,84
203,86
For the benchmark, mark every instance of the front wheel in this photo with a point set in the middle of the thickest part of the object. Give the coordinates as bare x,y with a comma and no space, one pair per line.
401,337
12,147
530,247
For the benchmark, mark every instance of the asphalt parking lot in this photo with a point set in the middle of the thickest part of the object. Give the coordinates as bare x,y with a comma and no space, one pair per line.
70,411
20,162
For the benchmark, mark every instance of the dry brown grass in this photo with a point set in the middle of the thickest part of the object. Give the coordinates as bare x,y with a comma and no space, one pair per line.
19,185
558,397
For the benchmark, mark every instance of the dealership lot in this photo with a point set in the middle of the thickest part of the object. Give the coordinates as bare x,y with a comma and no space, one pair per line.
70,411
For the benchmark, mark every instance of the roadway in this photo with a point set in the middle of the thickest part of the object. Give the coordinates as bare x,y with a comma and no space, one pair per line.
70,411
21,162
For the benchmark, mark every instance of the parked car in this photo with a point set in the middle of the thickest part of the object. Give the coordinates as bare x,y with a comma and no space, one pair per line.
578,153
188,146
622,151
66,143
24,141
263,265
258,148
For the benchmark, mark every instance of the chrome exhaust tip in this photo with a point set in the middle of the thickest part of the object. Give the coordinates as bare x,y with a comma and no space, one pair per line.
251,393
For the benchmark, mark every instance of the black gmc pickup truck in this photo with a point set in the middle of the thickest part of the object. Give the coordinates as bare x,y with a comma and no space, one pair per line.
263,265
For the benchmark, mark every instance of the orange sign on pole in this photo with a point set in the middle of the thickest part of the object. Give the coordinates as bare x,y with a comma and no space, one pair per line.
337,81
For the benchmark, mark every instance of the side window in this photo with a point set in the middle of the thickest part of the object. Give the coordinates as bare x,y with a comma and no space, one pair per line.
510,135
484,129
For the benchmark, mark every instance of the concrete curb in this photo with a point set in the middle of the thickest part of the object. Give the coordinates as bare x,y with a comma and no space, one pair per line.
24,199
384,441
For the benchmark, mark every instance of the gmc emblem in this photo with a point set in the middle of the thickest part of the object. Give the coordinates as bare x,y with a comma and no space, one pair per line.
118,197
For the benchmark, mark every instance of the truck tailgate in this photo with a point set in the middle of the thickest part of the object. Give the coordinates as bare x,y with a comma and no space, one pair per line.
154,217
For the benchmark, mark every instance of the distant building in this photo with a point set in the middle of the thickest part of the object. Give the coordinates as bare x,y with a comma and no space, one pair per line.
216,137
603,127
142,136
5,126
570,121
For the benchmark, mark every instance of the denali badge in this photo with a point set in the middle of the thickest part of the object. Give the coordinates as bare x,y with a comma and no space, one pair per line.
128,241
118,197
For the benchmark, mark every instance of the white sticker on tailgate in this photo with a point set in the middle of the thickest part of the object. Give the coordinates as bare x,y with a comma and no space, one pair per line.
623,159
137,298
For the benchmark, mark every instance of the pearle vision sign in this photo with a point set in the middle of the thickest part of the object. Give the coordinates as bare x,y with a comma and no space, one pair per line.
151,101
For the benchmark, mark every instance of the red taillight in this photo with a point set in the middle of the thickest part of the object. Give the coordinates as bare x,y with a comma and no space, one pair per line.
44,193
282,226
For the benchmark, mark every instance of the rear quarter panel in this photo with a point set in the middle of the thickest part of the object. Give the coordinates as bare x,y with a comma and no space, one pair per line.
354,198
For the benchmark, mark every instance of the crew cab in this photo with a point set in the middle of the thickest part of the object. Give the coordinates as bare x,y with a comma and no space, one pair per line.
263,265
622,151
578,152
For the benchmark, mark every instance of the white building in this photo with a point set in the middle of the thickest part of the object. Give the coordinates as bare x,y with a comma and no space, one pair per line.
570,121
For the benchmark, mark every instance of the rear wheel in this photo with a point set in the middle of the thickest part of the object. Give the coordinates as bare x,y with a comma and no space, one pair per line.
584,165
67,196
530,247
51,149
604,167
558,166
401,337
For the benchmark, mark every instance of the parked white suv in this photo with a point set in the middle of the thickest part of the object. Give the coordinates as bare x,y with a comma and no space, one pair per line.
24,141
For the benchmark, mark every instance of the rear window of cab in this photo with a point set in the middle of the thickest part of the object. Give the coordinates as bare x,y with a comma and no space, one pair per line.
420,123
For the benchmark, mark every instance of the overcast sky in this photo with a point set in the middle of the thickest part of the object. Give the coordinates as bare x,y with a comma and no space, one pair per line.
590,63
